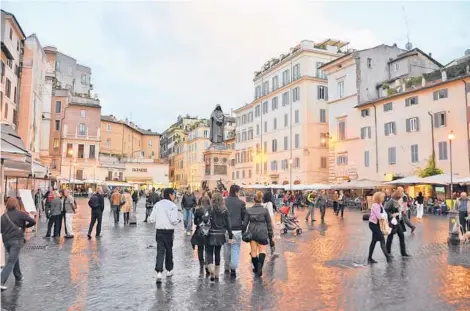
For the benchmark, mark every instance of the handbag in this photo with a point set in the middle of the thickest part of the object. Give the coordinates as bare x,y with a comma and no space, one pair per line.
247,236
206,226
383,223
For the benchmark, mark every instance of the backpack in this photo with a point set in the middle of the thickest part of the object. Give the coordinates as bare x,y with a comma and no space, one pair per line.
206,225
94,201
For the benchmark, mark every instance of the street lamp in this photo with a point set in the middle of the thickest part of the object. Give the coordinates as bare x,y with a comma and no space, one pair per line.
453,214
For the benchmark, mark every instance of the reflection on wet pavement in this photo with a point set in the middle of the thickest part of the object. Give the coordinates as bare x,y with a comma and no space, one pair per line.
322,269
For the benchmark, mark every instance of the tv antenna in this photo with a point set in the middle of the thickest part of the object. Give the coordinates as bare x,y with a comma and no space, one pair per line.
408,45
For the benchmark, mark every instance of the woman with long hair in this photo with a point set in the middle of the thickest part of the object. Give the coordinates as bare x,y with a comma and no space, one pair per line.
376,214
258,231
220,222
199,238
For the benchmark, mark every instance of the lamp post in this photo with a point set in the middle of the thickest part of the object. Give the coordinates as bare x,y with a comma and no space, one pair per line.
453,214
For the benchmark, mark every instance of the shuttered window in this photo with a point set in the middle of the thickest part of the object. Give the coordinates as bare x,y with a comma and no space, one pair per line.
439,94
392,155
442,150
412,125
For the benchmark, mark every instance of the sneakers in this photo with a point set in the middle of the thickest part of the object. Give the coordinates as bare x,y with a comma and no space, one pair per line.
21,279
169,274
3,287
413,230
188,233
159,277
233,273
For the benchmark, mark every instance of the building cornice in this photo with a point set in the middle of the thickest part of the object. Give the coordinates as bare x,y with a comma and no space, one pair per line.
340,99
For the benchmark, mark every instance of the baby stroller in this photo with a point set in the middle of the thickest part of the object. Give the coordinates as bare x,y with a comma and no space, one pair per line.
289,222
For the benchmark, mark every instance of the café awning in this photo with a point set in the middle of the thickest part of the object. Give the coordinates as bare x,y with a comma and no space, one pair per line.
410,180
441,179
15,157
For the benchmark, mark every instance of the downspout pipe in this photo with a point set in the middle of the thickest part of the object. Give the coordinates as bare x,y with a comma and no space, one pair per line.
466,118
376,141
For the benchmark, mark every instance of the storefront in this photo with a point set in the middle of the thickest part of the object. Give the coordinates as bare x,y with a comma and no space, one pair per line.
145,175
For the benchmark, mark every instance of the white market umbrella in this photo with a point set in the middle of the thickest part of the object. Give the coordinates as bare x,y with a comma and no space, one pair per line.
463,181
410,180
441,179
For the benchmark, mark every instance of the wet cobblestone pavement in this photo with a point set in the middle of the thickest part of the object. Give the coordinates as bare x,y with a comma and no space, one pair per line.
323,269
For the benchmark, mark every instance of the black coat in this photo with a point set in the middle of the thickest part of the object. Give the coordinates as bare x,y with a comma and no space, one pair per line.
258,223
198,237
237,210
220,222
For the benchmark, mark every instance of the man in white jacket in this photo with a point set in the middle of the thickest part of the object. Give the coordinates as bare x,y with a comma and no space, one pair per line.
165,217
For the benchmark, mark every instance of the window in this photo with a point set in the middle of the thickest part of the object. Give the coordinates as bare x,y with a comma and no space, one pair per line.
273,165
366,159
81,151
91,155
265,146
57,125
286,120
297,117
392,155
296,162
265,126
320,73
323,162
411,101
285,77
341,89
53,164
108,142
56,144
285,99
5,114
257,111
397,66
265,107
2,72
439,94
296,94
366,132
274,103
58,106
442,150
369,62
15,117
297,140
257,129
243,173
323,139
322,116
284,164
265,87
8,88
275,124
258,92
274,145
233,175
388,107
440,119
265,166
14,95
79,174
390,128
17,71
275,82
83,113
250,117
414,154
82,129
84,79
322,92
412,125
11,33
342,130
342,160
10,63
286,142
250,133
296,71
364,113
108,127
69,151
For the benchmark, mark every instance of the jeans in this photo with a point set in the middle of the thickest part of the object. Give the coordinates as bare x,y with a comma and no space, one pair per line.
339,209
68,224
322,211
211,252
126,217
96,215
116,212
463,222
148,212
397,230
188,219
232,251
13,248
311,212
164,249
377,236
56,222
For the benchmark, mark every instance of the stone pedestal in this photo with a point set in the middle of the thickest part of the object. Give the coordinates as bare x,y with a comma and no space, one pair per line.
216,165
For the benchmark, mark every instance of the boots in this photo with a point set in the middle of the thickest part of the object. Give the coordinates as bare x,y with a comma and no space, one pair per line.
385,251
207,270
261,259
210,268
254,261
216,273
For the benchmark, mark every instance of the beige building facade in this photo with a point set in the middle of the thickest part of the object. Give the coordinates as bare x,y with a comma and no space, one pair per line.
280,135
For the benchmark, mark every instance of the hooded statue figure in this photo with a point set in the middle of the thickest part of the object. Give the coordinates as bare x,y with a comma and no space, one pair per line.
217,125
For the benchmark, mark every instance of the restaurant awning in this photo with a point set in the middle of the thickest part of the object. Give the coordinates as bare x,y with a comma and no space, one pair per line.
410,180
358,184
441,179
15,157
39,170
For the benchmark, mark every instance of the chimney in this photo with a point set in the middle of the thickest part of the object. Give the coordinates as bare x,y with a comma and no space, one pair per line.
430,54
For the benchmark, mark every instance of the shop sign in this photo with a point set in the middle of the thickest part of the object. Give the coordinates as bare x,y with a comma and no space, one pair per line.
141,170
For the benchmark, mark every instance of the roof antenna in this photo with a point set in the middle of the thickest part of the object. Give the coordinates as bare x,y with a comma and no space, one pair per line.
408,45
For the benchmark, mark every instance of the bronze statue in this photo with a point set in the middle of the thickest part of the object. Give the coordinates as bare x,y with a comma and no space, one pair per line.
217,126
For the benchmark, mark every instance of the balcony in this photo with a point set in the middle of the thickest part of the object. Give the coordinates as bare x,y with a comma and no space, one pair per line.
85,101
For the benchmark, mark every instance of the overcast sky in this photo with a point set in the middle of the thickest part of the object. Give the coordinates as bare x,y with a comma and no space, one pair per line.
154,60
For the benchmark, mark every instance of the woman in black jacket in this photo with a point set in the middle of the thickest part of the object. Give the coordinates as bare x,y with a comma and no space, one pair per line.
220,222
258,230
392,207
199,238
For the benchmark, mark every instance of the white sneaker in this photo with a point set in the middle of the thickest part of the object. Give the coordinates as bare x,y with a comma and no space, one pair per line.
3,287
159,277
188,233
169,274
